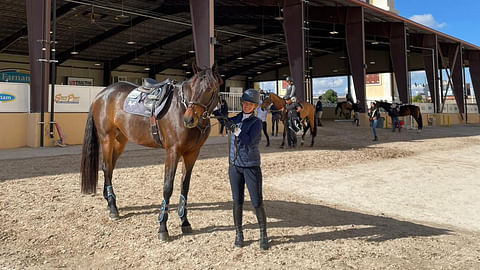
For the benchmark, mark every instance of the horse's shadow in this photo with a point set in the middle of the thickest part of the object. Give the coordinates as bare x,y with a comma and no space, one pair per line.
325,223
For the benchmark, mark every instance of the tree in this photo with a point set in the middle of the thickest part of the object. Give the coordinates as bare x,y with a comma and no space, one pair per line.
330,96
417,98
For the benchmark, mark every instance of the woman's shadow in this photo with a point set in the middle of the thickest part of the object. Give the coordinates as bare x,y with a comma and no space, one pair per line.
334,223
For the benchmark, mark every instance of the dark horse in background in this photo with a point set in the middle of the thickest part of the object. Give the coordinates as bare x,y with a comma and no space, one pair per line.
184,129
346,108
307,114
405,110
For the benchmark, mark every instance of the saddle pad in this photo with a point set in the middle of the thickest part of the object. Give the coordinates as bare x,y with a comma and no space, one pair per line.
134,104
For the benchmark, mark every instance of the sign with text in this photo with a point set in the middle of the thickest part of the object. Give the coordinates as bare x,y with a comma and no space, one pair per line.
14,97
70,98
14,75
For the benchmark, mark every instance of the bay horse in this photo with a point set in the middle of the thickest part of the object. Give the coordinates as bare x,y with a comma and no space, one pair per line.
405,110
184,129
346,109
307,114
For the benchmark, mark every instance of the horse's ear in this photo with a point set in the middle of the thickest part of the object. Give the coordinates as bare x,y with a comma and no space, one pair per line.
214,67
195,67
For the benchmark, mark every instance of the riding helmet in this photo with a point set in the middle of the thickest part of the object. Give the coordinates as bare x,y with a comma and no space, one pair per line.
251,95
288,79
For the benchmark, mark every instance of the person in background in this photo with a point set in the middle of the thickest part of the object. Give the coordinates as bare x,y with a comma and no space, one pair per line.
275,119
319,111
394,115
373,115
221,112
262,115
292,119
244,165
356,109
290,88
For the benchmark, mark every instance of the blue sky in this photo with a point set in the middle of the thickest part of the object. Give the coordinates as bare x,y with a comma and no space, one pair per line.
456,18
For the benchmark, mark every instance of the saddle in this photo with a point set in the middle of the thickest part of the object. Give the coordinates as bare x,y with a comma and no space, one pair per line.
152,99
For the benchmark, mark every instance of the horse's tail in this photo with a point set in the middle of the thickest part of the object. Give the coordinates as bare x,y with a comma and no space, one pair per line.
90,154
336,108
420,120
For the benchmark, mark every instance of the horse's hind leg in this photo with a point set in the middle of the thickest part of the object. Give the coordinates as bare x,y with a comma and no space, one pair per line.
112,148
188,163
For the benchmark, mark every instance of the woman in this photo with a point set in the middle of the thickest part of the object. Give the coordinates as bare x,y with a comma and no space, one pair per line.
373,115
244,168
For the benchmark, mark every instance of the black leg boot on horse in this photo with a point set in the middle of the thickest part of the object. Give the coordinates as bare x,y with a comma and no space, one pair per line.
262,223
237,220
111,202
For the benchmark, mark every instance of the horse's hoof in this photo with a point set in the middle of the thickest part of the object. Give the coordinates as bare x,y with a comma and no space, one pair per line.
187,229
114,216
163,236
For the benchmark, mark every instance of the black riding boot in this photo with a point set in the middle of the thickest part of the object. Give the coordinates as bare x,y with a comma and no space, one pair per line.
262,223
237,220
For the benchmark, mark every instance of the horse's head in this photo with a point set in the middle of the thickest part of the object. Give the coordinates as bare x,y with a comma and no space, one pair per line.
203,97
266,103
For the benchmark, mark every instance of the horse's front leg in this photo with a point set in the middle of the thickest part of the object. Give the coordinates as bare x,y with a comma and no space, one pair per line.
305,128
188,163
284,133
171,162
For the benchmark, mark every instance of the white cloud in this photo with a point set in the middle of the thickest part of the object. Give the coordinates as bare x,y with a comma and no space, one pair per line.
427,20
327,83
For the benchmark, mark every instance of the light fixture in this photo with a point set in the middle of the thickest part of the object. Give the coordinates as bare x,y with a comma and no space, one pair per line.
191,51
122,16
342,57
147,69
131,42
184,65
187,72
372,62
278,63
97,64
375,42
333,32
279,17
249,77
74,52
259,72
240,58
222,75
335,70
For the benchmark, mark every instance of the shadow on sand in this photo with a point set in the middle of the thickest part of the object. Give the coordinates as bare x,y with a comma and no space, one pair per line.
289,214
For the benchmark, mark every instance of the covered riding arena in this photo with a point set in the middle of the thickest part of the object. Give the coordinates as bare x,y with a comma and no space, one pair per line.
408,201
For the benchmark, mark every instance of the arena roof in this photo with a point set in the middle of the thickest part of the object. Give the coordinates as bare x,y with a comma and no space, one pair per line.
156,33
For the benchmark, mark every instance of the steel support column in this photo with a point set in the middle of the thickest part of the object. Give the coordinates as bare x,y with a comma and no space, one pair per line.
474,61
38,24
398,55
430,61
202,15
355,39
293,29
457,75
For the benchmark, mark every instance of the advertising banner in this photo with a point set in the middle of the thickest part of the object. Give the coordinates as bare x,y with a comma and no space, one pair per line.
73,98
14,97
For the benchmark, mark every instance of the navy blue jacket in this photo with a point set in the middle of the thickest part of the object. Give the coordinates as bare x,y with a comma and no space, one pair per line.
244,148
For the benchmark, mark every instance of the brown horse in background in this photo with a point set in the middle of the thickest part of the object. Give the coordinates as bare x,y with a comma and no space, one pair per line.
184,129
405,110
307,114
346,109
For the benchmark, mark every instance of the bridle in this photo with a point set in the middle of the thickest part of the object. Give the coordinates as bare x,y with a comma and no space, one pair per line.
207,109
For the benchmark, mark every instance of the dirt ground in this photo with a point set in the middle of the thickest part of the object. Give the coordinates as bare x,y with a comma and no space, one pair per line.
408,201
